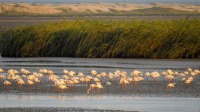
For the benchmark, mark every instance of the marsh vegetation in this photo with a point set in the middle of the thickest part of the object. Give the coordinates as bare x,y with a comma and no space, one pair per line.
105,39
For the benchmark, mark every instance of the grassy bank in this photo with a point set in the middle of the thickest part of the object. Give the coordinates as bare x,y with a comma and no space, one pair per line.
105,39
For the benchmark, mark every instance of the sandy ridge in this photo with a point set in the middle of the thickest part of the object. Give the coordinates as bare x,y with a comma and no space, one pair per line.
88,7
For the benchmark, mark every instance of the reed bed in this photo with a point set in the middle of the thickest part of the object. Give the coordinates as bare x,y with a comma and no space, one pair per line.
105,39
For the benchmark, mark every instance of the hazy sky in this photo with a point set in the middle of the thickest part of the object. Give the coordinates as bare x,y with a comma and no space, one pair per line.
124,1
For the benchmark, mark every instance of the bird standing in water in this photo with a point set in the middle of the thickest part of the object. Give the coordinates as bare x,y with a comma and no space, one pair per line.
7,83
170,86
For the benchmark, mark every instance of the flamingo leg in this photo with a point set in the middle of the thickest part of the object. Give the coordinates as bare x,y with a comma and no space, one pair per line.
7,89
20,88
99,90
30,88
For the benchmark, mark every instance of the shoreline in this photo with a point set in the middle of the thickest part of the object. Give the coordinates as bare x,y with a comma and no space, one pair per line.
55,109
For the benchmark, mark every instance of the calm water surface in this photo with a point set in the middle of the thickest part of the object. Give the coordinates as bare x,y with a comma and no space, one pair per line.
127,103
107,65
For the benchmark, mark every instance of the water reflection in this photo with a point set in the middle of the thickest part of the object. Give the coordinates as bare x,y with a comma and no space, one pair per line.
30,97
57,97
20,96
7,96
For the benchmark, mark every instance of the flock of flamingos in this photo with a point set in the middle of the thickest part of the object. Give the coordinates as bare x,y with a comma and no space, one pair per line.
94,80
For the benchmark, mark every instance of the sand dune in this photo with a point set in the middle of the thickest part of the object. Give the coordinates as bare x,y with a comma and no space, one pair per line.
89,8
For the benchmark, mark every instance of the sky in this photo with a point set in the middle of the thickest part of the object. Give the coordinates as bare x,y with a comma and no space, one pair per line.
122,1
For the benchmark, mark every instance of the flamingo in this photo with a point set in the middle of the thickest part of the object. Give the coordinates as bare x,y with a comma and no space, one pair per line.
129,80
24,71
186,72
189,69
50,72
65,77
40,75
169,78
65,72
7,83
36,80
72,73
147,74
170,85
12,73
45,71
31,77
176,73
196,71
123,74
116,73
170,72
137,80
155,75
93,72
103,74
62,87
164,73
76,81
82,79
41,71
88,79
135,73
98,75
70,79
20,83
110,76
71,83
108,83
182,75
183,79
30,83
92,86
123,82
189,80
80,74
96,80
99,86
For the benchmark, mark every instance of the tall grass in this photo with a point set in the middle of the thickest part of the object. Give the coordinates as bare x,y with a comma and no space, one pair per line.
105,39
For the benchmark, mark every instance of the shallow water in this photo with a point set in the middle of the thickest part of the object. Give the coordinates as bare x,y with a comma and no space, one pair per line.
127,103
175,101
106,65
